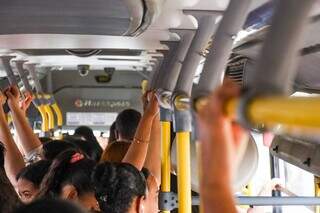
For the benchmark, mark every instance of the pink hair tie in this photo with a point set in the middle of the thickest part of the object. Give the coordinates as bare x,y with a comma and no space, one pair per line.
76,157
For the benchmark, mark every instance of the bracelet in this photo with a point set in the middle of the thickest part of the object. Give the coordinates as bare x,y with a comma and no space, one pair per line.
139,141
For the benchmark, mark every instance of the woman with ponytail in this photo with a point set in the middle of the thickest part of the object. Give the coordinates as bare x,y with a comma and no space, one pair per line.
69,178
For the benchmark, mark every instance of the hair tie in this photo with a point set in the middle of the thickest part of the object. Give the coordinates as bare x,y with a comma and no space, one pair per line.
76,157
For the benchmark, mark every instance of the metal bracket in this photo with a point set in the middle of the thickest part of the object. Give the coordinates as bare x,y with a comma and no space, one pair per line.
168,201
182,121
7,67
165,114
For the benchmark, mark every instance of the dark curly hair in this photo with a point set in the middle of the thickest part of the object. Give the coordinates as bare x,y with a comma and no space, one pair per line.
117,184
63,172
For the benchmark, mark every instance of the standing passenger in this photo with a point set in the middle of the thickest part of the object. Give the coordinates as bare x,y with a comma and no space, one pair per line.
69,177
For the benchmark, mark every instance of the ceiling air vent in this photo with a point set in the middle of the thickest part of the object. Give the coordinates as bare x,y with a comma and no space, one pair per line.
235,68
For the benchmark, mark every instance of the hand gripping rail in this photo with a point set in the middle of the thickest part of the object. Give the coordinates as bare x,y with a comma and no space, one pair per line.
37,101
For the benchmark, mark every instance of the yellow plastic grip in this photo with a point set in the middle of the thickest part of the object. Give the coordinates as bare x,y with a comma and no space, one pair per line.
50,117
44,126
58,113
290,112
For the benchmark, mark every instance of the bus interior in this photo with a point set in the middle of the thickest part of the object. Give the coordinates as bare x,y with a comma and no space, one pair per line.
86,61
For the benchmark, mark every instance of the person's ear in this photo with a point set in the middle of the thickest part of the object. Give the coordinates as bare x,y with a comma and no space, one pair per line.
117,135
69,192
141,204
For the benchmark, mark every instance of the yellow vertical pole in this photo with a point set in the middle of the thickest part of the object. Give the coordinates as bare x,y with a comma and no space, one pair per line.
317,191
165,158
184,174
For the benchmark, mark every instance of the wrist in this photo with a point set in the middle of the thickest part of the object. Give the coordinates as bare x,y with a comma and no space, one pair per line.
13,105
2,113
208,188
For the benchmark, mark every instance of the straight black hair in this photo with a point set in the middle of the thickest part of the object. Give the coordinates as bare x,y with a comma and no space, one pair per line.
34,172
127,122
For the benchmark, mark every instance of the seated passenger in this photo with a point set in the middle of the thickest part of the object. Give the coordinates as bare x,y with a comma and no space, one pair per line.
221,139
69,177
120,188
126,125
50,206
29,180
87,134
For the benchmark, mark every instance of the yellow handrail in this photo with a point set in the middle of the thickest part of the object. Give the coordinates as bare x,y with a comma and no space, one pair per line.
58,113
184,174
44,125
50,116
290,112
165,158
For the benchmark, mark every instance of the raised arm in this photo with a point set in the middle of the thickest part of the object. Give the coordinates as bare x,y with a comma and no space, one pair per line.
29,141
220,140
137,152
153,159
13,158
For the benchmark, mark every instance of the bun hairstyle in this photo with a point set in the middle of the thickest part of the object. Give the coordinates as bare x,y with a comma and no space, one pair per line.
69,168
117,184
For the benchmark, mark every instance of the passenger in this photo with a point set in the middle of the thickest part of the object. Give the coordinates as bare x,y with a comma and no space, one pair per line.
29,180
8,197
112,134
88,148
145,150
115,152
50,206
32,146
87,134
55,147
151,204
220,139
126,124
120,188
69,177
13,158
